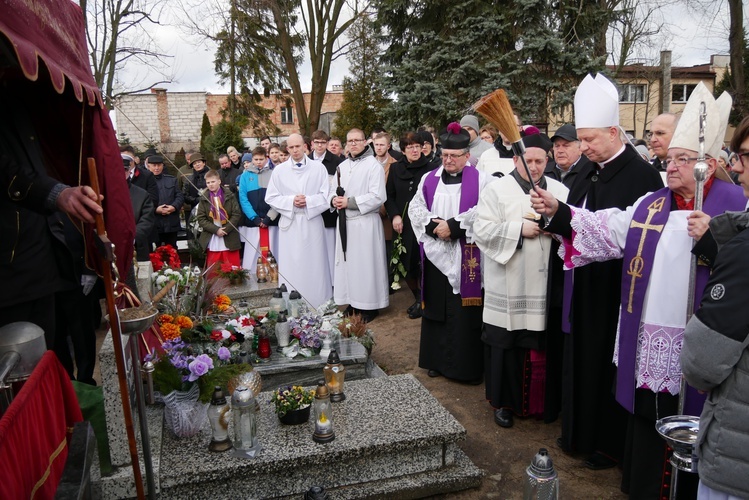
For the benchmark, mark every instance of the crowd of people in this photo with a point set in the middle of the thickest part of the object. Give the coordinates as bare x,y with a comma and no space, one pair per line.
560,277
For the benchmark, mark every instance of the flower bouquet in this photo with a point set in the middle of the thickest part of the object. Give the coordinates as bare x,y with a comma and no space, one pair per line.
235,274
185,378
396,257
165,255
292,404
354,326
307,340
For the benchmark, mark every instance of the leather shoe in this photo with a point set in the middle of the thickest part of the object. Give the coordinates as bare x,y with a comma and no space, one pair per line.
413,306
503,417
349,311
368,316
416,312
433,373
598,461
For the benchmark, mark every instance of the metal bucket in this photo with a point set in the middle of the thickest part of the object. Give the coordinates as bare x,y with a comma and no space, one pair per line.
27,340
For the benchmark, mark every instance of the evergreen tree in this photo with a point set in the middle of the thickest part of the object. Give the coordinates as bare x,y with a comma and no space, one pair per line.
205,132
180,158
444,55
726,84
224,134
364,98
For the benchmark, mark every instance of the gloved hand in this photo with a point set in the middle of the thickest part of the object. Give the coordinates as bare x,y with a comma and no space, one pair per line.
87,283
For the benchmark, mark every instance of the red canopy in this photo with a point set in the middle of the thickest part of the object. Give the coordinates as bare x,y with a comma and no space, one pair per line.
70,128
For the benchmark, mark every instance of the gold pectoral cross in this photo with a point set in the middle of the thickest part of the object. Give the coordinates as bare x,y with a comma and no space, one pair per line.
471,263
637,264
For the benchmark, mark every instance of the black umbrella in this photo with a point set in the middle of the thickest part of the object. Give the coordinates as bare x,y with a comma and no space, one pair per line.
341,214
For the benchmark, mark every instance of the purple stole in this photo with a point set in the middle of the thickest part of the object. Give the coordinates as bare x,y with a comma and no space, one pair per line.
645,230
470,268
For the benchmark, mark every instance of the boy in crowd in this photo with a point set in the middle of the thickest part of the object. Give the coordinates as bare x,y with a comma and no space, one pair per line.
219,216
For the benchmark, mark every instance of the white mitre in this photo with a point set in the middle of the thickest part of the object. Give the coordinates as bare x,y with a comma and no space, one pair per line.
687,133
596,103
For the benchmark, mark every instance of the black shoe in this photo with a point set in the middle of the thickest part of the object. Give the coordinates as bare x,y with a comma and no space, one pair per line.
503,417
416,312
433,373
413,306
599,461
348,311
368,316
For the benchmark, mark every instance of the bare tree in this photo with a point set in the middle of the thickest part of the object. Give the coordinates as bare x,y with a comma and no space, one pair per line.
117,32
264,43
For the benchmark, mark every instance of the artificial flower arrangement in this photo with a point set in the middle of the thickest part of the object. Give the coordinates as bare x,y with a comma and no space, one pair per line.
183,365
165,255
355,327
291,398
172,326
307,340
232,273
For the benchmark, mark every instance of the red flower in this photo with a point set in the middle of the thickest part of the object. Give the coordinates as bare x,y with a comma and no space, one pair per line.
226,267
216,336
248,322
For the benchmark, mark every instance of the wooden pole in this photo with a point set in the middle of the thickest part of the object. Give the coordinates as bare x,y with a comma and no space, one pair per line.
107,258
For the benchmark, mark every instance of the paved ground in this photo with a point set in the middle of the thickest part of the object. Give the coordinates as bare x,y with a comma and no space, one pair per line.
503,454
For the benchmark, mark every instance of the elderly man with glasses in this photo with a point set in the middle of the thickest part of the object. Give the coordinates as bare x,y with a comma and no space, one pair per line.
654,237
442,214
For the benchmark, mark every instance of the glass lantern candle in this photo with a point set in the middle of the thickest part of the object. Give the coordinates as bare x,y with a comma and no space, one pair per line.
323,415
277,302
260,271
295,304
282,330
272,268
246,443
335,373
263,346
218,416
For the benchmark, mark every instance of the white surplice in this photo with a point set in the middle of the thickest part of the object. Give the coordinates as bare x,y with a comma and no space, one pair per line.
302,259
515,279
601,236
361,280
445,255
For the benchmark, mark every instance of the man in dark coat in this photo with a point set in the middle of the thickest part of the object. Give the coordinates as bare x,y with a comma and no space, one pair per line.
140,176
320,153
228,174
169,205
145,217
592,421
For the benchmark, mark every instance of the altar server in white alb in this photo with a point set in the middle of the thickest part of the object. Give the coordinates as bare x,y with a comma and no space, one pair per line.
516,270
654,236
442,213
361,276
298,190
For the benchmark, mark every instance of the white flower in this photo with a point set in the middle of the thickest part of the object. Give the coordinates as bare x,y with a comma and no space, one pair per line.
225,334
395,285
161,280
196,271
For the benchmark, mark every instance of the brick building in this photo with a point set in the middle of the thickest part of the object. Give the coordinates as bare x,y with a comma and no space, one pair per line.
173,119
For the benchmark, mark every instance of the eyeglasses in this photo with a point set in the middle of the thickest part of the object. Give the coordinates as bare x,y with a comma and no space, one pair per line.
744,158
355,141
658,133
320,142
448,156
681,161
414,147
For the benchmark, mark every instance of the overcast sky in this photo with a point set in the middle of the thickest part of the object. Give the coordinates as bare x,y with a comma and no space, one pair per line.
691,36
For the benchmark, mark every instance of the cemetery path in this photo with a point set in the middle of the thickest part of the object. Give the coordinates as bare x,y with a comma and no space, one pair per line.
503,454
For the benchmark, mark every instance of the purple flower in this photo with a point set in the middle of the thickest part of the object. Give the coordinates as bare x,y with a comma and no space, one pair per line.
199,367
223,353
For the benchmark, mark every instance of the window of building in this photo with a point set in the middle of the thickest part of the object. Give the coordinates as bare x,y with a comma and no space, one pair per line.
287,116
680,92
632,93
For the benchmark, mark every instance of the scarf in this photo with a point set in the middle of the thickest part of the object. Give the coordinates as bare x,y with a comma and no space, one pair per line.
218,212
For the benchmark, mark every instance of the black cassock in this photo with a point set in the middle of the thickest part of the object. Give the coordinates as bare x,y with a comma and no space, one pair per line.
592,420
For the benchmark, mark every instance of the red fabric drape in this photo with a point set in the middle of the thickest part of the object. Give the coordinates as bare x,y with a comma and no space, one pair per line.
35,431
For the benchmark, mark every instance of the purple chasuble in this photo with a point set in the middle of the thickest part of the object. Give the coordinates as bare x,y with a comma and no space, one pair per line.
470,268
650,217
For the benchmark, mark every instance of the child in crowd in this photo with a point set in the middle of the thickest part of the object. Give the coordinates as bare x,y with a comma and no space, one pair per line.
260,230
219,216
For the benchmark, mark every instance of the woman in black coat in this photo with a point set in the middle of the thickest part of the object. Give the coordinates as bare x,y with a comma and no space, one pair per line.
402,183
